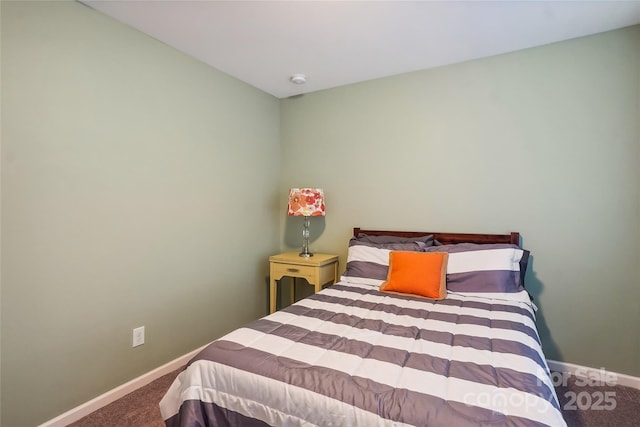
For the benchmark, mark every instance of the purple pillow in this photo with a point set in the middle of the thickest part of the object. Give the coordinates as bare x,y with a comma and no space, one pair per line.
368,263
473,267
427,240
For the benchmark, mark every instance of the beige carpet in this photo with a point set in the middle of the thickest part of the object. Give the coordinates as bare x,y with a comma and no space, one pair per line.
136,409
625,399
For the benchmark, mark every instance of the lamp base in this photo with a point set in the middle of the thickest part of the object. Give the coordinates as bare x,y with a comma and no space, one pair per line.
306,253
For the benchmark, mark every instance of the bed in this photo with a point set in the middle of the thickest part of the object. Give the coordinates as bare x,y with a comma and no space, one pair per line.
359,354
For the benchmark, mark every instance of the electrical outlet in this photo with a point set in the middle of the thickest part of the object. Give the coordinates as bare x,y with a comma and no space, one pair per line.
138,336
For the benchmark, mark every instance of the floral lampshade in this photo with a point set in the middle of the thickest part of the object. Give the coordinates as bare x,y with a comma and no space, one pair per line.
306,202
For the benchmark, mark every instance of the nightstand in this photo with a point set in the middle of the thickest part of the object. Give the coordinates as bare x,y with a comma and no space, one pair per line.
318,270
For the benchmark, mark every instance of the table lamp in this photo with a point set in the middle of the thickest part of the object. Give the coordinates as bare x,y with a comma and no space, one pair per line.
306,202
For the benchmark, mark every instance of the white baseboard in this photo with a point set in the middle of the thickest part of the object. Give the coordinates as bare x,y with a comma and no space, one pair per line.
587,372
93,405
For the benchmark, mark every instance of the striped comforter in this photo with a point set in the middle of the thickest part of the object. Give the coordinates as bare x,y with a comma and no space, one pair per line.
353,356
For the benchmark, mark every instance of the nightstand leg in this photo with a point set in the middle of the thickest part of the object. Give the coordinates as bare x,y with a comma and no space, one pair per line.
272,295
292,290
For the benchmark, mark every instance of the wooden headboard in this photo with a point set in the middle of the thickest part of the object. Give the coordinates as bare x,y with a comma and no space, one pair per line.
447,238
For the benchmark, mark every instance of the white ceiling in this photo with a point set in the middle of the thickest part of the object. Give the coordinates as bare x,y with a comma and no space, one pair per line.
335,43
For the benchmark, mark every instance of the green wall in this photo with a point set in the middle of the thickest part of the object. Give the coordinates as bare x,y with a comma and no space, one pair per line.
139,187
544,141
131,175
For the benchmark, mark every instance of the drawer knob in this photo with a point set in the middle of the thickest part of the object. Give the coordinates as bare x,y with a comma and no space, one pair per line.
293,270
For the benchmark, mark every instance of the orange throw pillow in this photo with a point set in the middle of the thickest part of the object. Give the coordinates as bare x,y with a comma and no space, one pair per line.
417,273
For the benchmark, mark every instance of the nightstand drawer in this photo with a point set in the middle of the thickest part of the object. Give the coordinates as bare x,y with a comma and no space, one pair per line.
303,271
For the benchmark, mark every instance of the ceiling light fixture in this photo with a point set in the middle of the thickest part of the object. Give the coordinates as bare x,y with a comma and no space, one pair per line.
298,79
